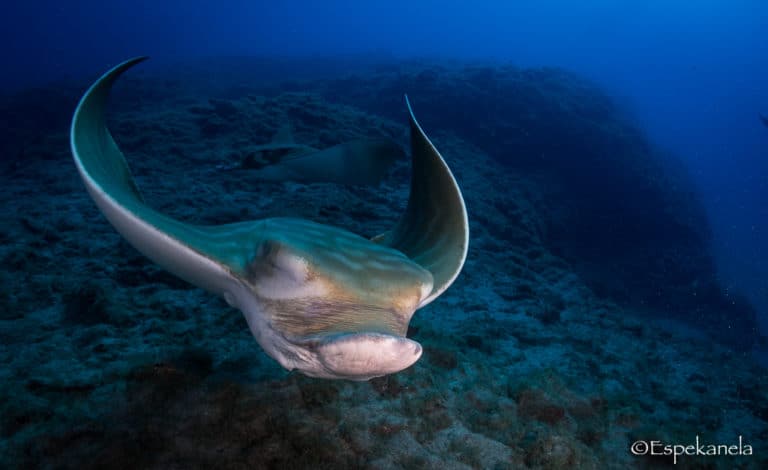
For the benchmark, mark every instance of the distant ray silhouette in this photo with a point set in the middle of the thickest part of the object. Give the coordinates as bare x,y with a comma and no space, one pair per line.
764,119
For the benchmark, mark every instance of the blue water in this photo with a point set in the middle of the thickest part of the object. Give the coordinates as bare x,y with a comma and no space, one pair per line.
555,336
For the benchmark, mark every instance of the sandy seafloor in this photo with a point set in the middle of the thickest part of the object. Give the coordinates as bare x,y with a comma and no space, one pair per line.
106,361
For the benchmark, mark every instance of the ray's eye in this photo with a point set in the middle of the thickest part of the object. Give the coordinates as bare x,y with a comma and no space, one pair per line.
275,259
267,253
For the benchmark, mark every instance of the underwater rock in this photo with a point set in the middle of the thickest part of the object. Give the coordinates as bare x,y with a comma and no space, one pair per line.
224,108
316,393
440,357
86,304
196,361
387,386
474,342
555,452
533,404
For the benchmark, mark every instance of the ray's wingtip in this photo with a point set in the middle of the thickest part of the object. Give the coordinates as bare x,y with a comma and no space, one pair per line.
136,59
126,64
408,106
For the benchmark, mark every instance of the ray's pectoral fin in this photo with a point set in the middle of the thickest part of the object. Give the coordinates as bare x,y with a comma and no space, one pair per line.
434,231
186,250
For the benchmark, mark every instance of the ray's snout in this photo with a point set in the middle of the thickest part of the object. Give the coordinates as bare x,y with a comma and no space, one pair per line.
362,356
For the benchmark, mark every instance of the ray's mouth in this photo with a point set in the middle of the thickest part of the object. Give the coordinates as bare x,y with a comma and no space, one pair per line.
303,319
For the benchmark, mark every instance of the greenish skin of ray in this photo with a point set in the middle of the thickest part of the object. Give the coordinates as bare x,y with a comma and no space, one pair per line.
318,299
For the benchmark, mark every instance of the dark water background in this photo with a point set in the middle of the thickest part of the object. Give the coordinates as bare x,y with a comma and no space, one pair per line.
693,73
613,163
